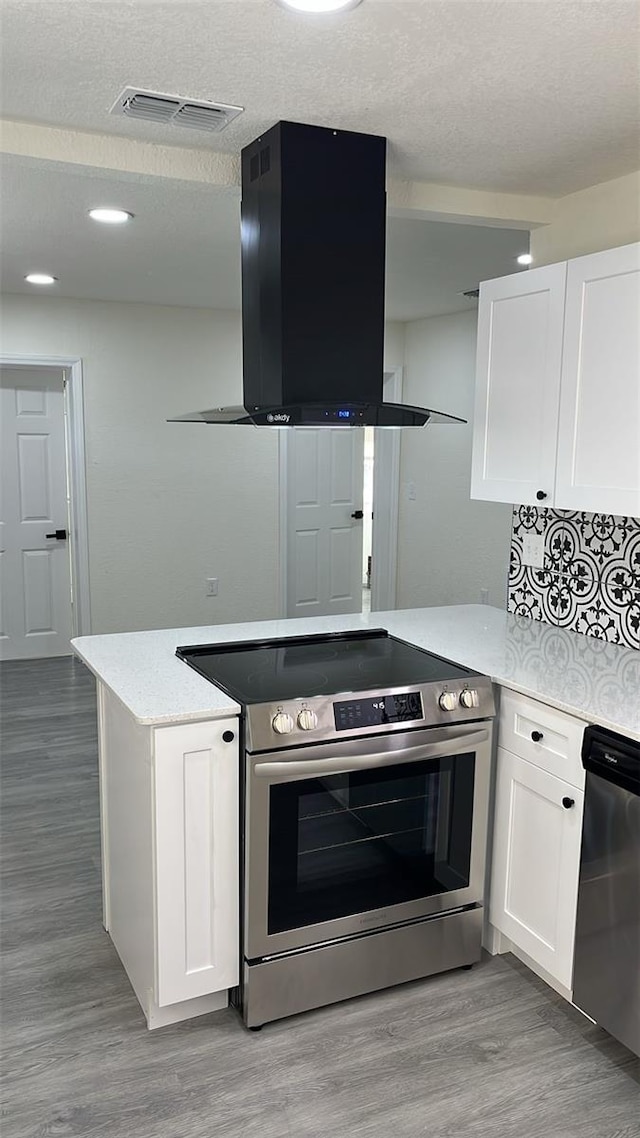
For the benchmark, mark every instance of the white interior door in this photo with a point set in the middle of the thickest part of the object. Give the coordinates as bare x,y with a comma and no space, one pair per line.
324,542
35,581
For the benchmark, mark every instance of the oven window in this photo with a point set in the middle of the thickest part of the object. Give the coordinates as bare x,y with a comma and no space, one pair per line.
349,843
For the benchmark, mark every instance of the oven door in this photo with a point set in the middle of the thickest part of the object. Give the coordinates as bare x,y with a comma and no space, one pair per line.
362,834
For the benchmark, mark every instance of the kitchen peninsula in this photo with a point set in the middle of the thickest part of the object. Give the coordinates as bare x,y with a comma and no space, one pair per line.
169,771
582,675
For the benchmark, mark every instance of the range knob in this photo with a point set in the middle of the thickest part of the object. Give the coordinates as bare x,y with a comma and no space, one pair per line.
469,697
282,723
307,719
448,701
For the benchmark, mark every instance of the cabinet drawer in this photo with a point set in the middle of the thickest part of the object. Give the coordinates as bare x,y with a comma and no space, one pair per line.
557,750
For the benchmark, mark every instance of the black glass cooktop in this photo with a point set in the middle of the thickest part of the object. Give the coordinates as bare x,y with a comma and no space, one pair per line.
264,671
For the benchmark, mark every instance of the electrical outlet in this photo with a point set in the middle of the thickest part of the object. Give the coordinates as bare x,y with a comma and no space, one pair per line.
212,586
533,550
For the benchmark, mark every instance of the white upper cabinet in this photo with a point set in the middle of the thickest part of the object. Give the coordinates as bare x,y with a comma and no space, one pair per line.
519,360
557,417
599,438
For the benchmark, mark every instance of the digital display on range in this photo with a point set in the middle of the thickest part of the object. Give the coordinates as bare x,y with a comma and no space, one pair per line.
354,713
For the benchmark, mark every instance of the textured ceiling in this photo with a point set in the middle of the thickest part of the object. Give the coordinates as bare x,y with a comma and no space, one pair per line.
183,246
531,96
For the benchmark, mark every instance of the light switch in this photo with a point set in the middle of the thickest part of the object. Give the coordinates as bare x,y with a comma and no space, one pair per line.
411,491
533,550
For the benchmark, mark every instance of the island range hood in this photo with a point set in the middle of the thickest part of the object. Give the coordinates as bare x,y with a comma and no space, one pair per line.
313,273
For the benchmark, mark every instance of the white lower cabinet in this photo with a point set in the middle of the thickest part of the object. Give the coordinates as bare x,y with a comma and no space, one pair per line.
170,858
196,860
536,861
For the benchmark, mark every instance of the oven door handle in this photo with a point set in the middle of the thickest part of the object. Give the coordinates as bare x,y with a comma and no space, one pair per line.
311,767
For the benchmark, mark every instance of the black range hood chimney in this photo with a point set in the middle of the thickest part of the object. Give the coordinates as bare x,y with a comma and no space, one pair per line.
313,269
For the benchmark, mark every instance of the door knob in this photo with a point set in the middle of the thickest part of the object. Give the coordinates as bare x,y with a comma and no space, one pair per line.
60,535
358,514
568,803
537,736
541,495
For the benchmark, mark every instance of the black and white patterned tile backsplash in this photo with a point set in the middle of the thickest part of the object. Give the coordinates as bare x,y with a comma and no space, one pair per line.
590,579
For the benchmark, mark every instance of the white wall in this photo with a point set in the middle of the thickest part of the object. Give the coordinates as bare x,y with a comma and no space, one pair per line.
450,548
599,217
168,504
393,345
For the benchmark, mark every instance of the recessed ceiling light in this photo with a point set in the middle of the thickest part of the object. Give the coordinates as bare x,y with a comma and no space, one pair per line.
319,5
525,259
110,216
40,278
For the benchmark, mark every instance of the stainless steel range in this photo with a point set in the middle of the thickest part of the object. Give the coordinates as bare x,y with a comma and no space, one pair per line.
366,783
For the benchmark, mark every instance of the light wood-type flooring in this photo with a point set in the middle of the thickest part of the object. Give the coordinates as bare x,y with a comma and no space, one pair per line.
491,1052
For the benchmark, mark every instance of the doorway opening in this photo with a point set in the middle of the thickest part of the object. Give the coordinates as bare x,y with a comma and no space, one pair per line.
367,521
45,585
339,517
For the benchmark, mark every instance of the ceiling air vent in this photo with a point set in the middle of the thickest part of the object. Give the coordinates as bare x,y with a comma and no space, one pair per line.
174,110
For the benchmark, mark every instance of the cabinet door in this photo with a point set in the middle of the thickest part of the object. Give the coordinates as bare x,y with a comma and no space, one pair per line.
599,437
536,862
519,357
196,858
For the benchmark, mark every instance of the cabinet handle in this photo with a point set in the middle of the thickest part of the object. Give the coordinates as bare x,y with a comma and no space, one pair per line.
228,736
537,736
541,495
568,803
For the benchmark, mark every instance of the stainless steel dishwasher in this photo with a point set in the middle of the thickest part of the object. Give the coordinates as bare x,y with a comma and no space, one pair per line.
606,979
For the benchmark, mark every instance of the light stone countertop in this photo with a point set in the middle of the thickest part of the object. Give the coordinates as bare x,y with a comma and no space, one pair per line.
595,680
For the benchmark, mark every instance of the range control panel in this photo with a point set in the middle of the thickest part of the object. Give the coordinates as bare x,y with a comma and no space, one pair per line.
319,718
